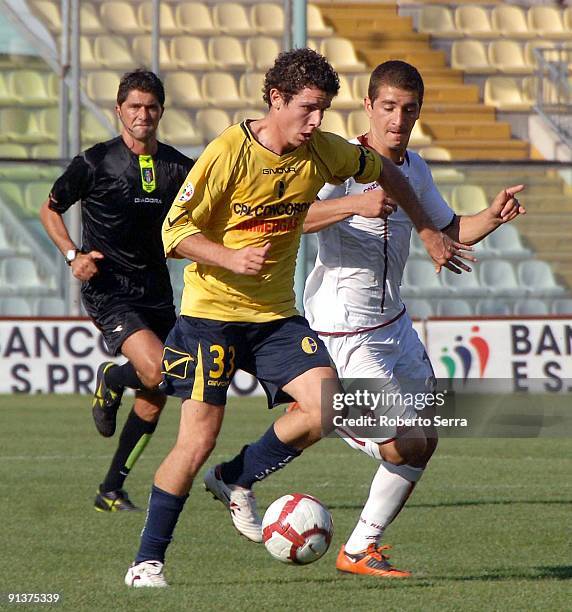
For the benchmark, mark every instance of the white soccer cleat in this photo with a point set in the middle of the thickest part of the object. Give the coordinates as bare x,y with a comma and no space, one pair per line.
241,503
146,574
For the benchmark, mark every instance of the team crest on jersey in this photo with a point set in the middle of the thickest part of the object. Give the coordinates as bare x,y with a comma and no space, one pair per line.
186,193
175,363
309,345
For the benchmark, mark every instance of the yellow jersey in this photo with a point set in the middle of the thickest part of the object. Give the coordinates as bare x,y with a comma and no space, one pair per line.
239,194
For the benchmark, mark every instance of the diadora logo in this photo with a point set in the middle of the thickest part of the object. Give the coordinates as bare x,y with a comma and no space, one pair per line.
279,170
472,359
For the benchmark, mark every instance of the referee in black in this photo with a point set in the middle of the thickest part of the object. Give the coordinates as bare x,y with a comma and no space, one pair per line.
126,187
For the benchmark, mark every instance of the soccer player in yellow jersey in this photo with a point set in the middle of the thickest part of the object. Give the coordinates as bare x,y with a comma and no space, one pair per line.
239,217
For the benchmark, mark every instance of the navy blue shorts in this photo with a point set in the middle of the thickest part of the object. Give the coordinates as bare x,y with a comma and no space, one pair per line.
202,355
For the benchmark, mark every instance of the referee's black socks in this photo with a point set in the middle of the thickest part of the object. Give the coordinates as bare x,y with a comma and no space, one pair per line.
122,376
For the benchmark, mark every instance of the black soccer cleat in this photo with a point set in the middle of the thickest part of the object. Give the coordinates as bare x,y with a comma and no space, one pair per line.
106,402
114,501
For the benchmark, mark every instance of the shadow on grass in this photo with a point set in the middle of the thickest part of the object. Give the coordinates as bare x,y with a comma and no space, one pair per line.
468,503
542,572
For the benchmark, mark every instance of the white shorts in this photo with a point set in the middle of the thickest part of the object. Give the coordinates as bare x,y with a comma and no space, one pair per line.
393,356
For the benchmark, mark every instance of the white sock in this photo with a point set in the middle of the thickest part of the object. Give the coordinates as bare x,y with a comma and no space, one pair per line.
390,488
371,449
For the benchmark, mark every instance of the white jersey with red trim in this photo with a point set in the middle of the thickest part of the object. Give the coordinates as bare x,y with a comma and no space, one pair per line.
355,282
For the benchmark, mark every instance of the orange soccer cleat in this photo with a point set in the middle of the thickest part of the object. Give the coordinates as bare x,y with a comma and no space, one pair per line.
370,562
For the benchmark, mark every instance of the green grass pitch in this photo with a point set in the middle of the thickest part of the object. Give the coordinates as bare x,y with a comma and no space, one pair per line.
488,528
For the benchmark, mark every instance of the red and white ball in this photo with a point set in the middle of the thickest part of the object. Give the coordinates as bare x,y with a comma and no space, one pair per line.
297,528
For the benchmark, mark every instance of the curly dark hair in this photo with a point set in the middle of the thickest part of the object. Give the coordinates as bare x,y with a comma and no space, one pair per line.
142,80
396,73
299,68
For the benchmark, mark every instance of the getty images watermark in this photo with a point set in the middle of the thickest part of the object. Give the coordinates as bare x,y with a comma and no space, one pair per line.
385,408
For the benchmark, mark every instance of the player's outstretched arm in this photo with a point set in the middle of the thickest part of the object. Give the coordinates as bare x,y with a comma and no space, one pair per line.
503,209
84,266
248,260
444,251
371,204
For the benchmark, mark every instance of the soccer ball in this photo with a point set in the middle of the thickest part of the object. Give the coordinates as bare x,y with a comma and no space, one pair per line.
297,528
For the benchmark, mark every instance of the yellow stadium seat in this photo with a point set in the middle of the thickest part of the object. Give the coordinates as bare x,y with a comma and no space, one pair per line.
435,153
183,90
88,60
48,11
261,51
102,87
474,21
19,125
113,52
49,123
250,88
12,150
167,23
120,17
468,199
510,21
195,18
268,18
315,22
546,22
90,22
46,151
358,123
30,88
247,113
211,122
177,128
7,97
507,56
471,56
189,53
345,98
334,121
567,18
360,86
219,89
93,130
438,21
546,47
419,136
505,94
232,18
227,52
341,53
142,52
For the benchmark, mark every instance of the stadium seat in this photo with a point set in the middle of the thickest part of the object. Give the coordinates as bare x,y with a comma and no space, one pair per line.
102,87
538,279
176,128
167,24
11,194
562,306
211,122
12,150
471,57
419,308
19,125
419,137
184,90
88,59
250,87
46,151
468,199
6,247
120,17
142,48
21,274
334,121
315,22
421,280
492,308
232,18
540,90
7,97
341,54
195,18
510,21
454,308
113,52
499,277
220,90
30,88
226,52
546,22
505,242
360,86
358,123
50,307
48,12
247,113
345,98
438,21
35,194
12,306
189,53
504,93
463,285
93,130
474,22
268,18
49,123
531,306
261,51
416,246
567,18
507,56
545,49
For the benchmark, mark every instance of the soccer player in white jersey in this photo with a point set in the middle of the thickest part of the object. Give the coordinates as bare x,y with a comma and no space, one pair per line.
352,296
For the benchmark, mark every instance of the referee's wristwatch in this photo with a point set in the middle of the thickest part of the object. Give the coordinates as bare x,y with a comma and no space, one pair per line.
71,255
